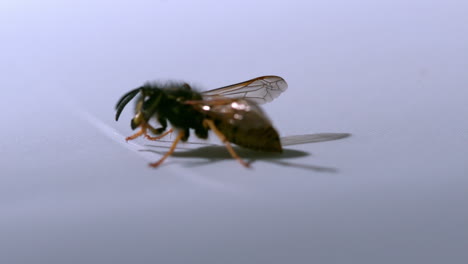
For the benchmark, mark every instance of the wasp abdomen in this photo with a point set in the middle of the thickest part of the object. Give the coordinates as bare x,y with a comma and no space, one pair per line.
262,139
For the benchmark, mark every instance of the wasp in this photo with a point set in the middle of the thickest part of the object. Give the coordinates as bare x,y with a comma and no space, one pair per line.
231,112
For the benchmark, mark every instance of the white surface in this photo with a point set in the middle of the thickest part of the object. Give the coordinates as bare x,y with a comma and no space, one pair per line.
391,73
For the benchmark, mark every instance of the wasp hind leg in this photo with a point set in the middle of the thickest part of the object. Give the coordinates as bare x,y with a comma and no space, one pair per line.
210,124
180,136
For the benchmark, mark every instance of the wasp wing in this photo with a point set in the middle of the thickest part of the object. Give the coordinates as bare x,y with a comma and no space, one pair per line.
242,122
259,90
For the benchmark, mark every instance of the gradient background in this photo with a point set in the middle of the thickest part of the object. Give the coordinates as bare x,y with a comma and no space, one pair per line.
394,74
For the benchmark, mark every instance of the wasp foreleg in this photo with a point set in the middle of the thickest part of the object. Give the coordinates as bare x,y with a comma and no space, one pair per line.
160,136
142,131
158,131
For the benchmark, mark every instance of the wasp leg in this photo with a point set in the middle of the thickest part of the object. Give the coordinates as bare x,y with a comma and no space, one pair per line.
171,150
158,131
142,131
160,136
211,125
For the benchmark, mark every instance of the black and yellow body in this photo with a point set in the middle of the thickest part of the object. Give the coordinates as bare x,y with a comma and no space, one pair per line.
166,103
237,120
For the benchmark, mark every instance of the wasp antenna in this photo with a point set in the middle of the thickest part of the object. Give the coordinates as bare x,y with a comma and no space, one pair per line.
124,101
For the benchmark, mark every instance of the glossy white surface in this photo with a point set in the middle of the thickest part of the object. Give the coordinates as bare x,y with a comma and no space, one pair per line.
391,73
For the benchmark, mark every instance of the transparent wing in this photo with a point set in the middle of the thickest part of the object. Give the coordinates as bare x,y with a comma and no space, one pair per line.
259,90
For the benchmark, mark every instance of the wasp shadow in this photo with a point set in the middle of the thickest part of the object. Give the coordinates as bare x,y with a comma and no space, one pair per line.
214,153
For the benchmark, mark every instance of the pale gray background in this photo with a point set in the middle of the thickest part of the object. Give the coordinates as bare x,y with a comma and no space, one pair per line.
392,73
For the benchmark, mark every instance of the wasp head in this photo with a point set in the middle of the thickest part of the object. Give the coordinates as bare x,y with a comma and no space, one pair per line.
146,104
